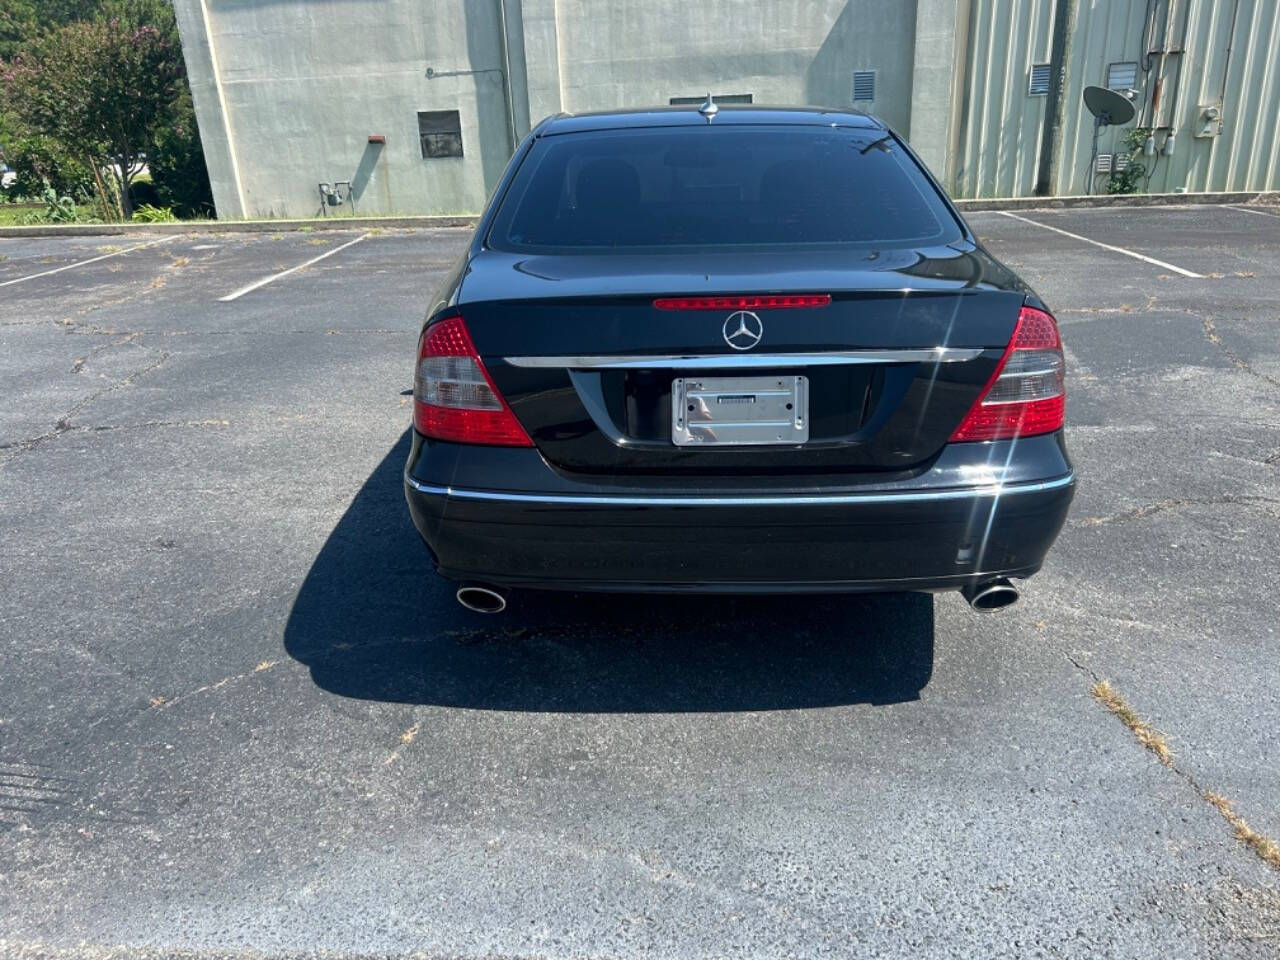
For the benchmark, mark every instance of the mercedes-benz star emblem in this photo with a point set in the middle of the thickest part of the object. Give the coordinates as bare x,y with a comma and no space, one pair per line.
743,330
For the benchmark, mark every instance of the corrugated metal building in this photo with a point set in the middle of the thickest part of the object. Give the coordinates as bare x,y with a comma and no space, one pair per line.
1205,55
409,107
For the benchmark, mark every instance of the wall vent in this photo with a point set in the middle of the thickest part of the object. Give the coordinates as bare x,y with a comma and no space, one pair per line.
717,97
440,133
864,85
1103,163
1039,83
1119,162
1123,75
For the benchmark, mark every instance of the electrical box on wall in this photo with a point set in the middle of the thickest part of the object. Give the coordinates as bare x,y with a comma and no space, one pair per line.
1208,121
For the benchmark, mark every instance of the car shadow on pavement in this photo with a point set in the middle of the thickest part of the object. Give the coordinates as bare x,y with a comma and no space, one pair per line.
373,622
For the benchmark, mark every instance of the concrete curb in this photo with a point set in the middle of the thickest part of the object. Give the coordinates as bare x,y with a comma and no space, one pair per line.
234,226
1257,198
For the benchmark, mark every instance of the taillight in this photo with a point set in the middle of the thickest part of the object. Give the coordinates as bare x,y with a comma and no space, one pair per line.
1025,396
454,398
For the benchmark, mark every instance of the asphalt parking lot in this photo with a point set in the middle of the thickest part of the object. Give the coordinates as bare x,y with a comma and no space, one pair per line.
238,716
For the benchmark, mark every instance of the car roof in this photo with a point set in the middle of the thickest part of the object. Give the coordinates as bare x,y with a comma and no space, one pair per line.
688,116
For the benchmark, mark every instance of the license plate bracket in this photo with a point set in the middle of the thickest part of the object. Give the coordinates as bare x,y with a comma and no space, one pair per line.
739,411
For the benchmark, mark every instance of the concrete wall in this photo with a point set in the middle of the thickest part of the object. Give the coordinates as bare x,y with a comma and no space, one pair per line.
632,52
300,87
288,92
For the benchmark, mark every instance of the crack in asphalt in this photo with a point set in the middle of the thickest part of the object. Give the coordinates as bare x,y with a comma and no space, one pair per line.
1211,331
165,703
1261,846
1172,503
27,443
1154,305
63,424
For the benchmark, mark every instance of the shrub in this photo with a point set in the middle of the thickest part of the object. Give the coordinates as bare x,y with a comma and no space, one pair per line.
177,164
149,214
38,161
1134,174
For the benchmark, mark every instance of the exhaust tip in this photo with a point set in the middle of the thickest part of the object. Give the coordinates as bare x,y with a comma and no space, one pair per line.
992,595
481,599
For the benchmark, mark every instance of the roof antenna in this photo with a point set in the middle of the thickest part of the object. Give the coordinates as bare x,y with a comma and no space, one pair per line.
709,108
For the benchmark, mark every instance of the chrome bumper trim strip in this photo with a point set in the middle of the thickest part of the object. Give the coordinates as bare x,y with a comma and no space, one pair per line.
625,500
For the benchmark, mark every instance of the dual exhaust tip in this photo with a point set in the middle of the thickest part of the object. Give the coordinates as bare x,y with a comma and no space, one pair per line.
479,598
984,597
991,595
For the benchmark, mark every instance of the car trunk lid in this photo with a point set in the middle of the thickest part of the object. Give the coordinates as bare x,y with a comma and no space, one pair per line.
891,363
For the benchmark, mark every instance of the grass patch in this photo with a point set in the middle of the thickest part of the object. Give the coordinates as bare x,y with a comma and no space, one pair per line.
1263,846
25,215
1147,735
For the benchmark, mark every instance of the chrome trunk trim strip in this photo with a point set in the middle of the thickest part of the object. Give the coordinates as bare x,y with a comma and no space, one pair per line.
741,361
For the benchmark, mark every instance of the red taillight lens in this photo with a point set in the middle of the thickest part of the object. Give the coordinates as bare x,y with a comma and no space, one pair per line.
1025,395
762,302
454,398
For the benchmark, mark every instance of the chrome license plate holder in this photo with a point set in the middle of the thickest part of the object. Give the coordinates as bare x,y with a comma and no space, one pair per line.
739,411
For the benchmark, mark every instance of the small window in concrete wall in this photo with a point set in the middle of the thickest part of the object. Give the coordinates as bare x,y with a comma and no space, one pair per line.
1122,76
864,85
1039,85
440,133
717,97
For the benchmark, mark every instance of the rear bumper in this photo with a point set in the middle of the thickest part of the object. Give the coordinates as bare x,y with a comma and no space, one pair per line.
901,537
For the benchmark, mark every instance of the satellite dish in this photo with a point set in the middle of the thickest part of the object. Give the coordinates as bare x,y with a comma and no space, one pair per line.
1108,107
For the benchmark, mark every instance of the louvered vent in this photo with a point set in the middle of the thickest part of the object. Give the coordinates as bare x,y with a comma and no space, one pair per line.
1119,162
864,85
1103,164
1123,76
1039,84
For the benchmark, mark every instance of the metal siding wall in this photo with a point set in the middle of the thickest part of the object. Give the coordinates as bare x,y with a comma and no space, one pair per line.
1106,32
1247,156
1001,125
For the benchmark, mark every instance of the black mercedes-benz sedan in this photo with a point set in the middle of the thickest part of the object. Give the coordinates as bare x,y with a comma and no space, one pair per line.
735,350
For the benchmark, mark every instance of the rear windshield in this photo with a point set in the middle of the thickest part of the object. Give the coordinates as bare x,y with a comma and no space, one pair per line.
708,186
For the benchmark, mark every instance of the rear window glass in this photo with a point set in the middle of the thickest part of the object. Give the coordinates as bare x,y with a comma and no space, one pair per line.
719,187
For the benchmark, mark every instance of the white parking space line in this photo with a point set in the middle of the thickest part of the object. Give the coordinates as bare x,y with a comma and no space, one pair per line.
257,284
83,263
1257,213
1107,246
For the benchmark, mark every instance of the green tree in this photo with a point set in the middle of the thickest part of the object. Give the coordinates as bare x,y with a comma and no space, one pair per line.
18,24
60,12
177,163
102,89
37,160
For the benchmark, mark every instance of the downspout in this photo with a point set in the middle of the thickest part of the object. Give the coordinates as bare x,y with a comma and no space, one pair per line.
506,75
1231,42
959,91
1175,109
1064,22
